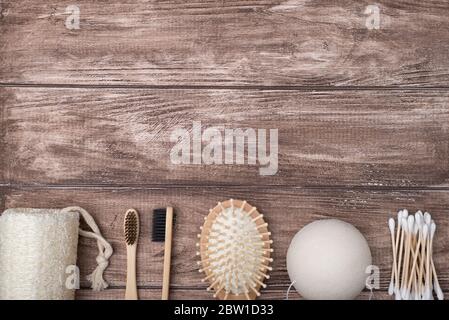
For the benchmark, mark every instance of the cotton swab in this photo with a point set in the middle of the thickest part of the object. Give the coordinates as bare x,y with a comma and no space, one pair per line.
427,289
415,258
391,224
409,226
413,274
403,223
436,284
398,252
424,230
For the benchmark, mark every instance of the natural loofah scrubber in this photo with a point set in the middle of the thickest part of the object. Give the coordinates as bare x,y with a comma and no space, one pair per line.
38,253
235,249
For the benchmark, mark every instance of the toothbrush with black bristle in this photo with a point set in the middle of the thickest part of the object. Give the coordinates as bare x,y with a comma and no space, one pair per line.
131,230
163,220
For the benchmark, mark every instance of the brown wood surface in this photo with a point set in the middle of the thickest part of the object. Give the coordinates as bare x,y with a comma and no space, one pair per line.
226,43
338,138
363,119
293,208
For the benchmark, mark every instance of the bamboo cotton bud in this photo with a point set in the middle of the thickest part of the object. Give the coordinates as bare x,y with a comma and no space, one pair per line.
413,257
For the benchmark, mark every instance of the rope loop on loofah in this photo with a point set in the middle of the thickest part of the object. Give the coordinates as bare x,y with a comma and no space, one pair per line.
104,248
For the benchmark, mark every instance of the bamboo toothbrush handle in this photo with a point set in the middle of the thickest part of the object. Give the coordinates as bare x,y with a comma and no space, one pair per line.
131,283
167,254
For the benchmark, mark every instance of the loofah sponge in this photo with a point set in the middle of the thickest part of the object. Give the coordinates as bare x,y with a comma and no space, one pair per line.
36,247
38,251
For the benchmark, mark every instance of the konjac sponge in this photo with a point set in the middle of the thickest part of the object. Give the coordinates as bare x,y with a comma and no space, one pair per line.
327,260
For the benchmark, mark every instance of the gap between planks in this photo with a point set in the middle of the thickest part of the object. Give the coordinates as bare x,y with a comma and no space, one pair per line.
18,186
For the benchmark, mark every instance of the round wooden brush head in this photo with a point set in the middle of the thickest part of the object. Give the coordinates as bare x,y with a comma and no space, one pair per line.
235,250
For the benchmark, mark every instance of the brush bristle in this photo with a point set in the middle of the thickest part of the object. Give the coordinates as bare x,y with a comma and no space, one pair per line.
131,227
159,219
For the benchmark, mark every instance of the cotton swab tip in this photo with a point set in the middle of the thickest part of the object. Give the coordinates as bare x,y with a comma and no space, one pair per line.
397,294
404,294
418,218
425,231
399,215
433,227
411,222
438,291
404,224
417,297
427,217
391,288
416,229
427,294
391,224
405,213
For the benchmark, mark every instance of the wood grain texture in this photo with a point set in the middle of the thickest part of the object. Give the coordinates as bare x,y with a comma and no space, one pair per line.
122,137
359,138
226,43
286,210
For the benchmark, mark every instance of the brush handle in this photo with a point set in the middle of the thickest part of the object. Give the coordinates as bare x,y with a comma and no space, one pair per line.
167,254
131,283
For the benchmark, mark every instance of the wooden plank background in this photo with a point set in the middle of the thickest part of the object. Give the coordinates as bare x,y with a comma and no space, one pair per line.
241,43
363,119
338,138
368,210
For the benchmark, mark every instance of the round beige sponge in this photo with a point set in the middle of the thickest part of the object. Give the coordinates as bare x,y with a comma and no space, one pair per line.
327,260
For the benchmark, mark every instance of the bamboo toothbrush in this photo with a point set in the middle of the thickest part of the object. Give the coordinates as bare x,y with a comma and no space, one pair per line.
131,229
163,220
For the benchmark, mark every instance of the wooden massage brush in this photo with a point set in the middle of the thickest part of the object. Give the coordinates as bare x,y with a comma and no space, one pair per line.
235,250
